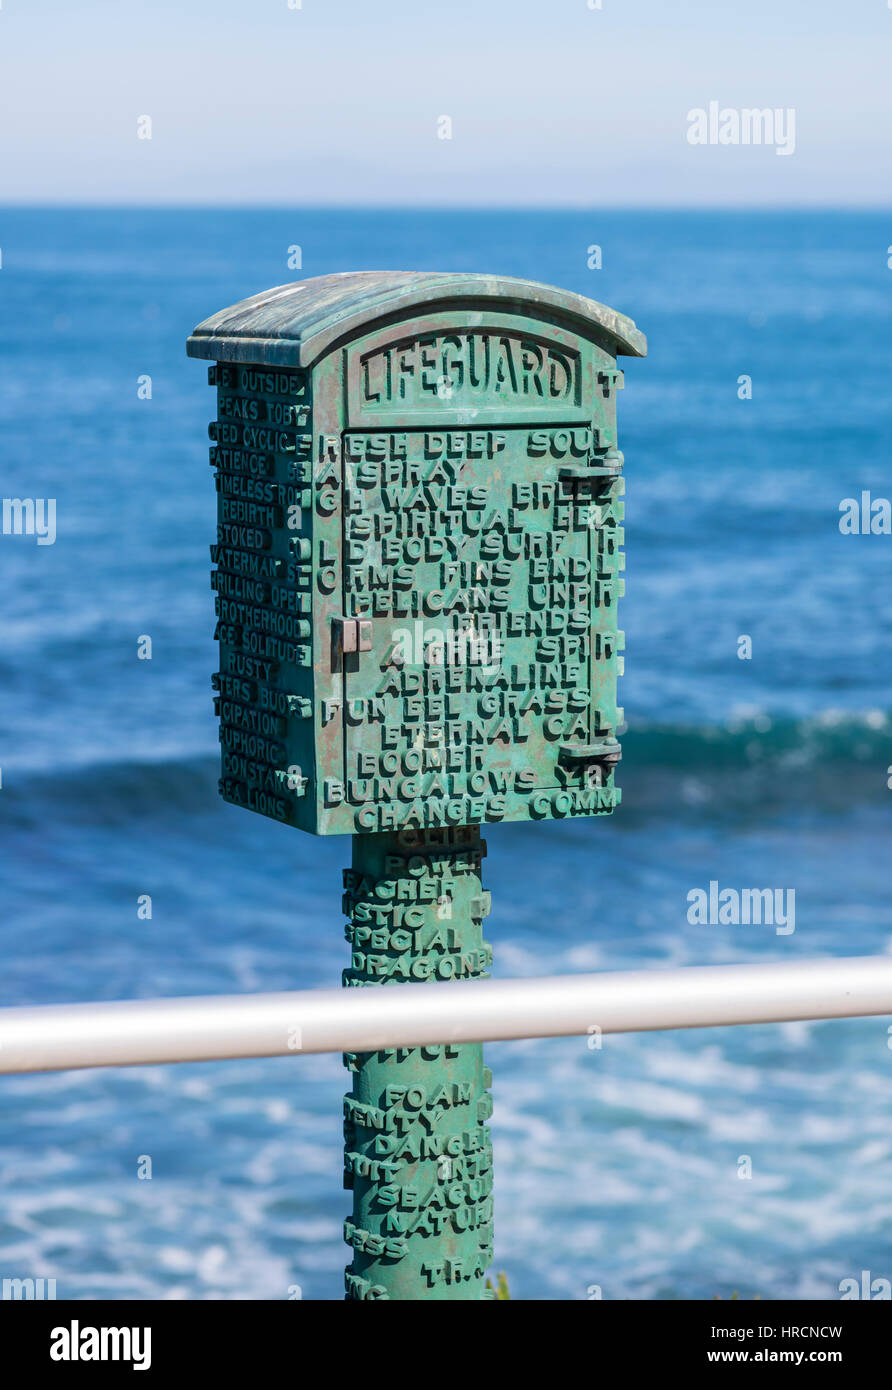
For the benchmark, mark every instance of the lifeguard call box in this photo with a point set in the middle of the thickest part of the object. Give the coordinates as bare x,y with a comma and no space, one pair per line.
418,554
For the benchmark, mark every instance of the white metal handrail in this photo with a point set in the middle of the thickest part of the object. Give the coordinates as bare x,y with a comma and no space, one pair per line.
143,1032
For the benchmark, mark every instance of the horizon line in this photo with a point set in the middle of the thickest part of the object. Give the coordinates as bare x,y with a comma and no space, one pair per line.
419,207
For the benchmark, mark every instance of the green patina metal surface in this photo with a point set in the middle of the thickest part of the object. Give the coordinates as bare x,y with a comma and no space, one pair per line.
418,550
417,1152
418,567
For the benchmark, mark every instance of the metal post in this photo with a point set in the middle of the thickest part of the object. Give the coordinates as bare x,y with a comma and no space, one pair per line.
417,628
417,1152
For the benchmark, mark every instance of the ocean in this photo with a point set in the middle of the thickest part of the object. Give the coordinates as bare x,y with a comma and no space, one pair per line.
659,1166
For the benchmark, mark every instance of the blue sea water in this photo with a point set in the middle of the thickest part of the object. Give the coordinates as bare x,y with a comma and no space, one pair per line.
616,1168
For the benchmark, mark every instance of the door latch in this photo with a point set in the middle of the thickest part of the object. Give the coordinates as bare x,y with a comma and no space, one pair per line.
604,750
600,469
594,760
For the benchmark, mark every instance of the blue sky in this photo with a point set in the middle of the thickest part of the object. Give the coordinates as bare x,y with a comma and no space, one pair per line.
338,101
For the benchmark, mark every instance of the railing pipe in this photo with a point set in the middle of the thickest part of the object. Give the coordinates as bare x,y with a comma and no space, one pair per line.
143,1032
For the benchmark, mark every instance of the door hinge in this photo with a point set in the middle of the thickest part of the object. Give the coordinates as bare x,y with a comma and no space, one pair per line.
353,634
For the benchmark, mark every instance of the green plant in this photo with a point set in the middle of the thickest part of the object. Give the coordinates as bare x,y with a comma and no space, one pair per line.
500,1288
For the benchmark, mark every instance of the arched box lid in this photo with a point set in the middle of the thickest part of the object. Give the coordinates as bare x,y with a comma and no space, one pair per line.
294,325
